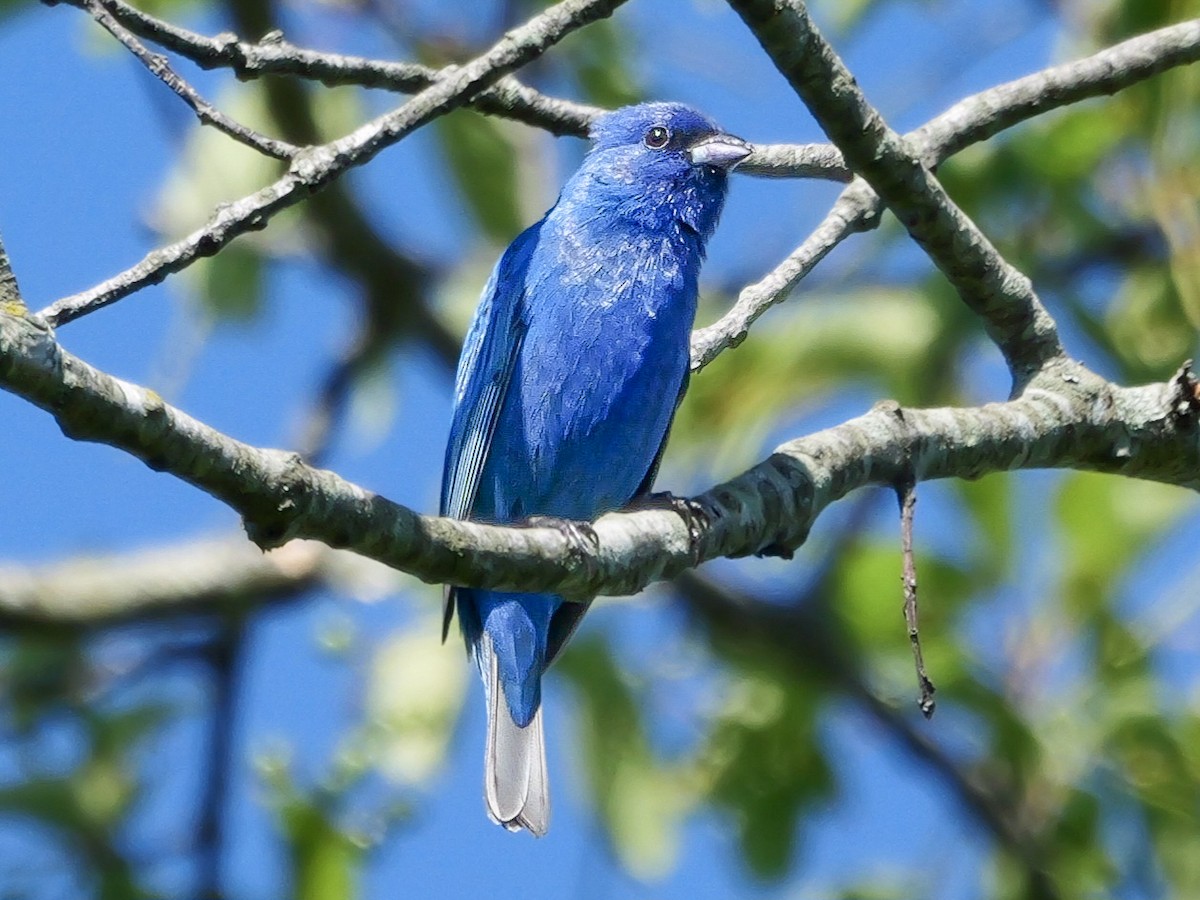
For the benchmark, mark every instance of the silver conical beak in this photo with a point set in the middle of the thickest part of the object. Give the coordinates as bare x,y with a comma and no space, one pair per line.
722,151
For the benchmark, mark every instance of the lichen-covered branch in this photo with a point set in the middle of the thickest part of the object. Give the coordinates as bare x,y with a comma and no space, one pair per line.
974,119
315,167
999,294
1066,418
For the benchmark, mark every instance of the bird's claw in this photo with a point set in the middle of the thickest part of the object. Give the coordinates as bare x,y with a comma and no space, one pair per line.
582,540
695,515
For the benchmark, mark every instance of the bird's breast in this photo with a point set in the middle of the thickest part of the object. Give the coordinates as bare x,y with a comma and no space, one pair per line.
600,369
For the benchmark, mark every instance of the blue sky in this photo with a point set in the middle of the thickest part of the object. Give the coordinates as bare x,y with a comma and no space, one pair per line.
87,142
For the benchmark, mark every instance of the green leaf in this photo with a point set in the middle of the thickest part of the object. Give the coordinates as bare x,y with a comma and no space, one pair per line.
1106,523
483,160
599,56
325,861
213,169
325,858
414,697
641,800
765,764
988,502
231,282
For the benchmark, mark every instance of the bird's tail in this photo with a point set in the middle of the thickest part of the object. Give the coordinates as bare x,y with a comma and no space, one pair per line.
515,784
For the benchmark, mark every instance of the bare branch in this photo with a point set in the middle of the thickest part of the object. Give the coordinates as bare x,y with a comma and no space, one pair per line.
315,167
797,161
275,56
225,654
10,292
1108,71
1004,298
969,121
205,111
855,210
1067,418
203,576
1104,72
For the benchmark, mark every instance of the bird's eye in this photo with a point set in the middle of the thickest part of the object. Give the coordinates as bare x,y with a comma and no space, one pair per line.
657,137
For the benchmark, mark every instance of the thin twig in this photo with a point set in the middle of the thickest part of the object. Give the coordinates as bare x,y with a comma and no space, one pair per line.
801,639
906,493
855,210
315,167
205,111
274,55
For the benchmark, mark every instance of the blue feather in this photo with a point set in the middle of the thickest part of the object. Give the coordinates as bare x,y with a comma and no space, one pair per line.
566,388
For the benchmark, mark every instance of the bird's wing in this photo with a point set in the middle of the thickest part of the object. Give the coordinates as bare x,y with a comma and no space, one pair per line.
652,472
484,371
568,616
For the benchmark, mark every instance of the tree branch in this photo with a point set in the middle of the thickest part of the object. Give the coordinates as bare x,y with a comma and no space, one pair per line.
226,659
315,167
855,210
273,55
1067,418
509,97
205,111
204,576
973,119
906,494
999,294
976,118
10,291
986,114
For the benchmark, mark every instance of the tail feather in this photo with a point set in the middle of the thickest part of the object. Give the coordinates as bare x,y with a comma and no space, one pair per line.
515,783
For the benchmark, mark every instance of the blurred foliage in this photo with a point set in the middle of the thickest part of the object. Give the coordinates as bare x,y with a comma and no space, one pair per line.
413,699
640,798
484,162
1053,697
766,764
212,170
87,798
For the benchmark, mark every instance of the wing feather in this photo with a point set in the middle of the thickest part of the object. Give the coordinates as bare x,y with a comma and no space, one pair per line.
484,373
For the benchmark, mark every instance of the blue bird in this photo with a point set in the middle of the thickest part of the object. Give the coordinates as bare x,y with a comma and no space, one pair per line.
567,384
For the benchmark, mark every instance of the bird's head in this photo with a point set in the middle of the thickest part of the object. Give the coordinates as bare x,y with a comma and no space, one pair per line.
664,162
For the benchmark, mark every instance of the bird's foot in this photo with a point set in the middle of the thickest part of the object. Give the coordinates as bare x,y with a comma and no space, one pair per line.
694,514
582,540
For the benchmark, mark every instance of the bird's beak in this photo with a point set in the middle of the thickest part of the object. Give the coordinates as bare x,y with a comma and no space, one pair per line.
722,151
